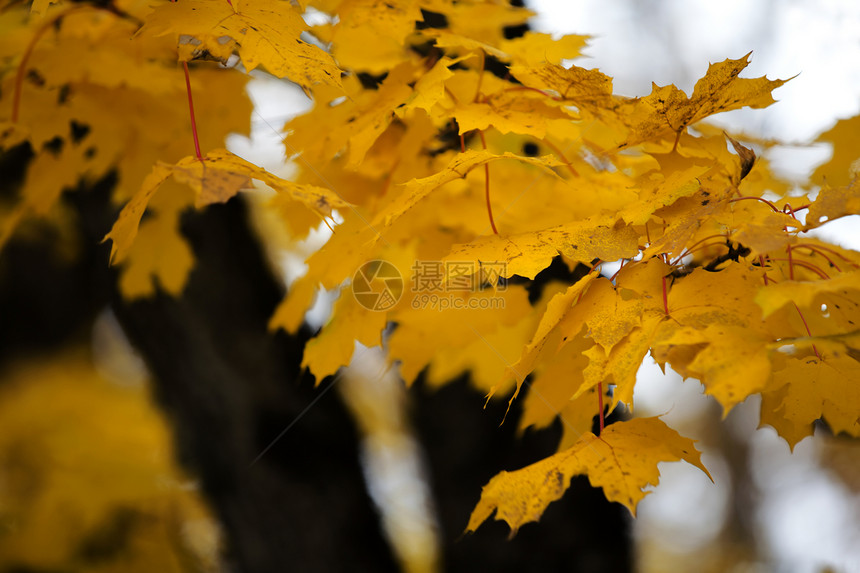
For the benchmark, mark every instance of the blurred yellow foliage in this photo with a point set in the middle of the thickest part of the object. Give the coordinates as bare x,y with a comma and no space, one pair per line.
87,477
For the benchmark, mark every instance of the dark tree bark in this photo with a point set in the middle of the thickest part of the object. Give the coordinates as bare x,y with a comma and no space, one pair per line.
231,387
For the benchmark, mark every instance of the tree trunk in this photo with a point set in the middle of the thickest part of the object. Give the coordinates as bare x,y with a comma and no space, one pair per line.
231,387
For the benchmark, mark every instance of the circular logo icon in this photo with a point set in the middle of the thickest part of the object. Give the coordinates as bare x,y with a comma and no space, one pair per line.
377,285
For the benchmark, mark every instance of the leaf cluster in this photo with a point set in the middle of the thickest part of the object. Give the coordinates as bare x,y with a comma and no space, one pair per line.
436,136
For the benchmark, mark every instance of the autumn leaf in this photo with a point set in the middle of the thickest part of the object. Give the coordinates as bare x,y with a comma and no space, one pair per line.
622,461
717,334
373,33
351,322
833,203
802,293
622,320
215,179
843,137
821,388
762,231
746,155
697,300
620,365
677,177
458,43
667,110
482,342
264,32
772,414
125,228
556,310
686,218
430,87
546,336
732,362
160,255
551,390
462,163
534,48
527,254
574,84
509,112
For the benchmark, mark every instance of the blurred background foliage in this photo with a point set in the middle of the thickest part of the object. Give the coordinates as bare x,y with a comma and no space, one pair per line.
88,474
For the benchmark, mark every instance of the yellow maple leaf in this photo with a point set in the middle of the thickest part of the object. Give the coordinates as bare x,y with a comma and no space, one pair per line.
481,21
622,320
160,255
290,313
732,362
124,230
547,329
334,346
802,293
369,35
430,87
667,110
356,316
699,299
534,48
610,312
717,333
550,392
467,334
265,32
590,309
826,388
760,230
214,179
773,415
843,137
619,366
833,203
509,112
369,121
526,254
677,177
350,246
458,43
460,166
583,87
622,461
686,218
